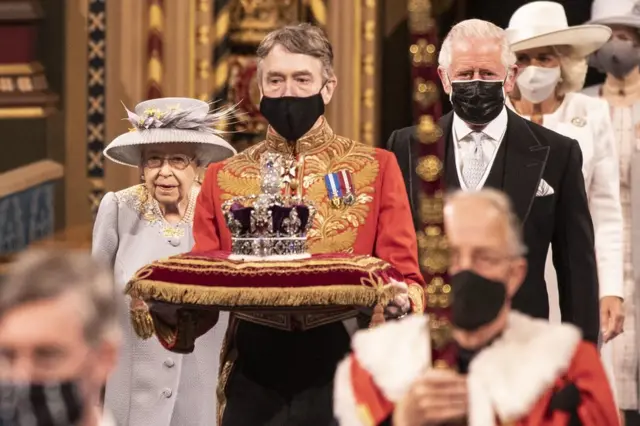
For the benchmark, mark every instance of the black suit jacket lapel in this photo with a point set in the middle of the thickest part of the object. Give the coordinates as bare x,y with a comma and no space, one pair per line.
450,169
525,162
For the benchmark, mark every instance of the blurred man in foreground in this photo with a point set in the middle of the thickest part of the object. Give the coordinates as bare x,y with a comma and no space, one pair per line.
58,339
512,369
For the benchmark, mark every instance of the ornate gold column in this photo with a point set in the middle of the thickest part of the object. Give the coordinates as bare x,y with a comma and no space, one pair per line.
204,36
218,70
155,48
353,32
424,66
368,77
434,258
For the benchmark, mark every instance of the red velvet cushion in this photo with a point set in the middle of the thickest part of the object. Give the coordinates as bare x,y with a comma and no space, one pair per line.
211,279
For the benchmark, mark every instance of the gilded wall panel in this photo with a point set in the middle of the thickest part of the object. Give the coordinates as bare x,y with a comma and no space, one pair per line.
353,29
238,28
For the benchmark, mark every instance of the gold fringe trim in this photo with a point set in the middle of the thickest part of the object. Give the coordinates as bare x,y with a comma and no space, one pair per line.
342,295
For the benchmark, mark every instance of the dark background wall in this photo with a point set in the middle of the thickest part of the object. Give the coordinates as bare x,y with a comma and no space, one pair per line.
396,87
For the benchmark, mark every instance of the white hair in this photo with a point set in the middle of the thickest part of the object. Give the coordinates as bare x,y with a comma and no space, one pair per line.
478,29
501,203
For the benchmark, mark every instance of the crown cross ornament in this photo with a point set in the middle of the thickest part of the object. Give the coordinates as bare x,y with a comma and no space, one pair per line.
269,226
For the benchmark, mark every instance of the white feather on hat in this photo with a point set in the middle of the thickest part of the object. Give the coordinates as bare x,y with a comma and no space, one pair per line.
172,120
544,23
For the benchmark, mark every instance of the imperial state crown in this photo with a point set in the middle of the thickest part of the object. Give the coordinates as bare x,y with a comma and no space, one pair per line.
269,225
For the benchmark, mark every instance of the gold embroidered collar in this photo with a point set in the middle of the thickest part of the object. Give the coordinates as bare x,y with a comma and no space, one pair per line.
314,140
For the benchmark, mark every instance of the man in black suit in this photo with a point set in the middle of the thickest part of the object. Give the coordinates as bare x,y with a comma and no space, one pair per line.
485,144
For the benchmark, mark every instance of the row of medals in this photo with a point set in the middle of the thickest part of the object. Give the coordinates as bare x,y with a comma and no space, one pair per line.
337,202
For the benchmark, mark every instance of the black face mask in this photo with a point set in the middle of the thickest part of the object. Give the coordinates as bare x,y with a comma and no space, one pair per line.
478,101
51,404
476,300
292,116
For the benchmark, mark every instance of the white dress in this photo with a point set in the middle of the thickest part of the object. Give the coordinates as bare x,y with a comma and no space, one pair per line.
624,101
152,386
587,120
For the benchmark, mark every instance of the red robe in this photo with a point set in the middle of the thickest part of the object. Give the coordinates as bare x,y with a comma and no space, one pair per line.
510,383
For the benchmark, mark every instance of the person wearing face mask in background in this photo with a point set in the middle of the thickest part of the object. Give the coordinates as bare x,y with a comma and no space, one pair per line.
59,339
551,58
619,59
489,145
510,368
278,369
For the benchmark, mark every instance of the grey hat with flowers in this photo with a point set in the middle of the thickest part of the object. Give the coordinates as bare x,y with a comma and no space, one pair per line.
172,120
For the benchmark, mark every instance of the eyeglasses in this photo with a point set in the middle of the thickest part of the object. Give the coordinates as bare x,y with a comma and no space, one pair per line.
480,261
178,162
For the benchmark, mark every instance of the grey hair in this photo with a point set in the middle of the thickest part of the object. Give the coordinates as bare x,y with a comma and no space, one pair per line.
45,274
478,29
501,203
303,38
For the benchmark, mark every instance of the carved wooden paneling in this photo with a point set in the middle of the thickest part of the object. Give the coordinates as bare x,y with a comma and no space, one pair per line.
239,26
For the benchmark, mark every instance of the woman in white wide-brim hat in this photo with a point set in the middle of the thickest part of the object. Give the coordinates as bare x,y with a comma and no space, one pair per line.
619,59
551,57
170,138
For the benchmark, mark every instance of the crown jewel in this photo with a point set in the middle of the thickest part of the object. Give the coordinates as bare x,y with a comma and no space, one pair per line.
269,225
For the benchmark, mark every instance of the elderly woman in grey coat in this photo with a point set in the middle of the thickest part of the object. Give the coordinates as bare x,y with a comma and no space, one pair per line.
170,138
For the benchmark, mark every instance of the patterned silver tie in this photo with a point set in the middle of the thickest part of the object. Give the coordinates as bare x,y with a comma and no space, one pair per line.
474,166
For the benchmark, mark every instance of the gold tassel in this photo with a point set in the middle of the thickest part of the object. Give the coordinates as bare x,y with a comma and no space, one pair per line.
142,322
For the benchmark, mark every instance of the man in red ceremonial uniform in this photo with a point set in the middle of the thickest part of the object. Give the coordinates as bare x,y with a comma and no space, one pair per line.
279,369
512,369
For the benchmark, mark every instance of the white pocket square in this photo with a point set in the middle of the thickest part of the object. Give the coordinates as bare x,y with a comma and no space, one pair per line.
544,189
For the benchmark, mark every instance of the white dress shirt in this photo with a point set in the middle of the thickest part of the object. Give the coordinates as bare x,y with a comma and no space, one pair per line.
464,146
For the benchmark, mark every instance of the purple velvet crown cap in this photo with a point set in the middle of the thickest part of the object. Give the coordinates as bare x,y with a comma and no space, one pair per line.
281,220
